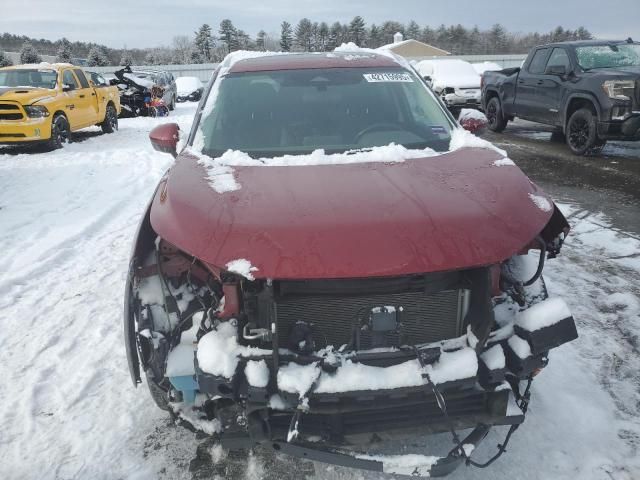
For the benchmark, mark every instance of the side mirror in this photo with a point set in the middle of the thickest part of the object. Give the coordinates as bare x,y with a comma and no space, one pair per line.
164,138
67,88
473,121
559,70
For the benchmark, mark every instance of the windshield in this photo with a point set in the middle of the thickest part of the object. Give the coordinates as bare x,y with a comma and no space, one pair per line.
270,114
609,56
37,78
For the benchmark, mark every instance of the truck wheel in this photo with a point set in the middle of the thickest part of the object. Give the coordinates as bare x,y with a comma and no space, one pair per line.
60,132
110,122
497,122
581,132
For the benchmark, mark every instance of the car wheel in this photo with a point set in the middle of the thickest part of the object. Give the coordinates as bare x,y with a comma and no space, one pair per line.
60,132
159,393
172,105
110,122
581,132
497,122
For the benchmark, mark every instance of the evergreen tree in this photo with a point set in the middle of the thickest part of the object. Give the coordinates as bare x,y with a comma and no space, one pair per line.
374,39
304,34
389,29
97,57
204,44
228,35
260,40
126,60
583,34
335,36
427,35
28,54
4,60
243,41
498,39
286,36
413,30
357,30
64,54
323,36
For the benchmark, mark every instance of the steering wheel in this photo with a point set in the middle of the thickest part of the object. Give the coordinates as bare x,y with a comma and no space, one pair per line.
377,127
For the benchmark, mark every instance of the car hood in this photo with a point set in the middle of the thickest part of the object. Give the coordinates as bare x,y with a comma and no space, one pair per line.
458,81
452,211
617,71
25,95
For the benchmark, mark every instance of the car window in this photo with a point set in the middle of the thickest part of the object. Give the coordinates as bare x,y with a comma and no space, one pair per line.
159,80
267,114
559,58
98,80
69,79
538,61
609,56
83,80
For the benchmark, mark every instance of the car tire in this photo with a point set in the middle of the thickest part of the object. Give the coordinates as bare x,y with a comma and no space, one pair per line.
60,132
110,122
172,105
582,133
497,122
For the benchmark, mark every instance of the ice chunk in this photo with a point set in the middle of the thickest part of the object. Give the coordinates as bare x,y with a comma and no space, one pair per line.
494,358
242,267
219,351
503,162
520,347
460,138
257,373
543,314
294,378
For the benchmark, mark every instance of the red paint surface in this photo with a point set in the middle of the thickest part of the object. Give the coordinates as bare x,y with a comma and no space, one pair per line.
452,211
311,61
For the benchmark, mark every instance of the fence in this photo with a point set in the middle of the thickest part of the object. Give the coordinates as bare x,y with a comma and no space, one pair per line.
204,70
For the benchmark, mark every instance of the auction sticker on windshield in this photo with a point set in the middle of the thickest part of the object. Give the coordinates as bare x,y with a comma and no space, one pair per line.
387,77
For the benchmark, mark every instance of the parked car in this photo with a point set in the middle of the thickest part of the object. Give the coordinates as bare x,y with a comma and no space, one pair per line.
455,81
189,89
332,261
482,67
140,95
589,90
165,80
45,103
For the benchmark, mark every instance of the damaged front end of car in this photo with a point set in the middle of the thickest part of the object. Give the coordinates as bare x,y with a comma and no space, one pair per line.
325,368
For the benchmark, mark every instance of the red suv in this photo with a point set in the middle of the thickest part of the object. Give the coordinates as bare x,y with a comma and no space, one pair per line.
332,261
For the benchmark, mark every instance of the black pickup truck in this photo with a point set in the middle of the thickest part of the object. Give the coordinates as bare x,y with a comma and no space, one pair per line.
589,90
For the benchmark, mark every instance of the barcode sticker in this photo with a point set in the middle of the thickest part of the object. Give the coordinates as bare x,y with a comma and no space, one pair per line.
387,77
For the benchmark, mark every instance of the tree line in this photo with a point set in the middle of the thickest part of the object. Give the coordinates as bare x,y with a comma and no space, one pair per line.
208,45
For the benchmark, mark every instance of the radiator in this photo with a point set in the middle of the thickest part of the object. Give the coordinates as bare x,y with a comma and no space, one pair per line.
426,317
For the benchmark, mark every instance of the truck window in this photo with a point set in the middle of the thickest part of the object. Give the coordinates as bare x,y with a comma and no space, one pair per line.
69,79
559,58
83,80
538,61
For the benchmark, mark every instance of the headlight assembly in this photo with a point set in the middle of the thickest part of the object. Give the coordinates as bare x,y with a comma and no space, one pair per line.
619,89
36,111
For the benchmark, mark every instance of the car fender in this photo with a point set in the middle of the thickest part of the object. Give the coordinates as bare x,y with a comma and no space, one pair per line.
581,95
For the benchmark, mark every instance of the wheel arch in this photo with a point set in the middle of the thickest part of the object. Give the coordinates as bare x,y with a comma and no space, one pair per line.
577,101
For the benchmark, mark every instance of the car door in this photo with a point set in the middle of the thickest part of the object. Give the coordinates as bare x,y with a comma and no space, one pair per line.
88,99
529,80
73,101
551,92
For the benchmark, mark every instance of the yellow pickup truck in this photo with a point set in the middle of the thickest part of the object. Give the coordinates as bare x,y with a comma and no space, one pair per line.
46,102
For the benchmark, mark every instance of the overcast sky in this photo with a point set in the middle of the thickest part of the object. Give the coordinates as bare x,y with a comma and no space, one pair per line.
146,23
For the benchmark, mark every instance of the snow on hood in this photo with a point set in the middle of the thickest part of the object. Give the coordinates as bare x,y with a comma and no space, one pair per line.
143,82
187,85
450,73
486,67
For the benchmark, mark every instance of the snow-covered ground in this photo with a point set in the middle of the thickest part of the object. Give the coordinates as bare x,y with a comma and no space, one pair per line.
67,406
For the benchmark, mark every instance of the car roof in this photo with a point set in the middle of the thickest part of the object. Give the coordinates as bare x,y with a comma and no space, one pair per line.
41,65
320,60
589,43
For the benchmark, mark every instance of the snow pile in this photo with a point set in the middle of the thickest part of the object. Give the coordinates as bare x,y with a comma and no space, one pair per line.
543,314
541,202
219,351
471,114
294,378
504,162
460,138
520,347
187,85
257,373
494,358
242,267
411,464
